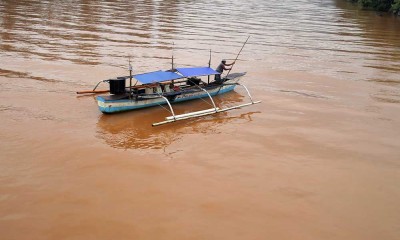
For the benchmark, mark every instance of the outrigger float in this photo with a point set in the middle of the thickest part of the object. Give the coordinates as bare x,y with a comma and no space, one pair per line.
167,87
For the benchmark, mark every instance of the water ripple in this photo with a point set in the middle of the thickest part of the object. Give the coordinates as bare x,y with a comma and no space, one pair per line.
105,32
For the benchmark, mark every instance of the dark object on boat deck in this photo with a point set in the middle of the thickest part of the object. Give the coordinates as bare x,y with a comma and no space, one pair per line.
117,86
193,81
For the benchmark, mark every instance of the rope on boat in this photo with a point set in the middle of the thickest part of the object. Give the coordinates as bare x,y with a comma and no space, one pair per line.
212,105
169,104
164,108
206,102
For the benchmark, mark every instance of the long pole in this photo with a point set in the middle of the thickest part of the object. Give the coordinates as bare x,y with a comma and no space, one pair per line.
238,55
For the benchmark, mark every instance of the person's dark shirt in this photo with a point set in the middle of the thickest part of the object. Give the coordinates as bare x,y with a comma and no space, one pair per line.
220,68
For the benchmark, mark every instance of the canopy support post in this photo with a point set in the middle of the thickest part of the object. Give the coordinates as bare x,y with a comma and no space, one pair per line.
130,79
209,65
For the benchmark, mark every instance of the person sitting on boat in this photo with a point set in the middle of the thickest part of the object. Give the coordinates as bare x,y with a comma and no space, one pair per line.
221,67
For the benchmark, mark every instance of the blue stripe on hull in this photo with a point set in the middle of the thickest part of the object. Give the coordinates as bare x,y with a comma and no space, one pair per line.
114,109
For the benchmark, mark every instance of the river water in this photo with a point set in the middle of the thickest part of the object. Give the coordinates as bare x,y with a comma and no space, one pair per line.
319,158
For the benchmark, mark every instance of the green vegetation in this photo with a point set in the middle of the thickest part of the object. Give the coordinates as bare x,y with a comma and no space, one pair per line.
395,6
380,5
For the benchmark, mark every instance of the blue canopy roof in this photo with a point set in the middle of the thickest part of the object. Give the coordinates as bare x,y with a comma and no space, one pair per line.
161,76
158,76
197,71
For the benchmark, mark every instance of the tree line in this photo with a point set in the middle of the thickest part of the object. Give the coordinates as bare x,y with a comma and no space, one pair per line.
380,5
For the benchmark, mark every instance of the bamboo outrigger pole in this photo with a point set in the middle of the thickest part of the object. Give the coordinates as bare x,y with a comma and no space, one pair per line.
238,55
92,91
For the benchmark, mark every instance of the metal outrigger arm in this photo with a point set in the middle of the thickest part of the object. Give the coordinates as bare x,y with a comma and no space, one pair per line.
201,113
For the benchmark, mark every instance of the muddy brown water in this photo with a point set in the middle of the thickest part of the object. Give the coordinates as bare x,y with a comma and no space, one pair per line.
319,158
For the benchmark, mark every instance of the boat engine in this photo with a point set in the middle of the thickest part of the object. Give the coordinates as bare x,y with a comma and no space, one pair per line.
117,86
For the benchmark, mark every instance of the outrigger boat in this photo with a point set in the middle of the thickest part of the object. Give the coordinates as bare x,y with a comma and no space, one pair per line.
168,87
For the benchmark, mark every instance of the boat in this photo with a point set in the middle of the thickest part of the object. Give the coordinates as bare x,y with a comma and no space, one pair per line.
160,87
168,87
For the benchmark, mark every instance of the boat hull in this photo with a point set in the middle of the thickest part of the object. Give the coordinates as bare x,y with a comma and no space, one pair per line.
114,106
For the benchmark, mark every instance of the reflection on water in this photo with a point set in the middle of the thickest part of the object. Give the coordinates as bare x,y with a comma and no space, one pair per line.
379,42
132,130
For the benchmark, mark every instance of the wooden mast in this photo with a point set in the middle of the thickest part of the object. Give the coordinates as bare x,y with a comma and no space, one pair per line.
209,65
172,63
130,78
